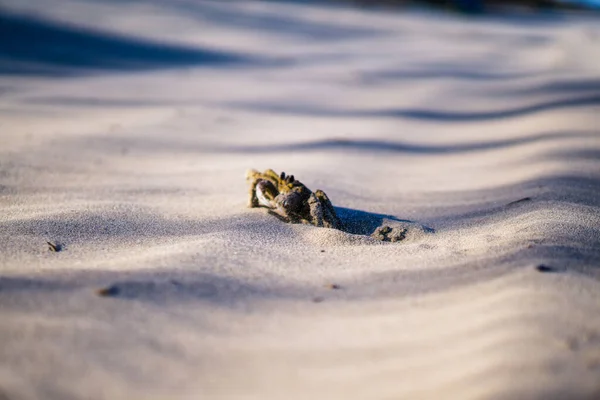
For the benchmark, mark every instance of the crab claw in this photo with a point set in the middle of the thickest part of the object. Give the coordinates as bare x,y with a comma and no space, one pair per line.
266,193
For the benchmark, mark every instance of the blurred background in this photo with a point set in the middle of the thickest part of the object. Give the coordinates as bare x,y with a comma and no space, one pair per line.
490,5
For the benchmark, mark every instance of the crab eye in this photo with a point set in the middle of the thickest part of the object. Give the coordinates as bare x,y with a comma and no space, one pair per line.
282,176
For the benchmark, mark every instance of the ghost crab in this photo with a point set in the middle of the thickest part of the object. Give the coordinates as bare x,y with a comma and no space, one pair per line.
291,201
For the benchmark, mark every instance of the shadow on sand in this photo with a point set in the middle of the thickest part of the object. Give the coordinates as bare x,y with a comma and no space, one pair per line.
401,147
360,222
158,287
30,46
416,113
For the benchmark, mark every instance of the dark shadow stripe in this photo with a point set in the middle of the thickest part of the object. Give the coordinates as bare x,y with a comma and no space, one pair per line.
30,46
374,146
415,113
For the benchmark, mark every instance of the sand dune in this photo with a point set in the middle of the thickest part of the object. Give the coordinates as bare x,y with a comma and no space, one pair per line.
125,138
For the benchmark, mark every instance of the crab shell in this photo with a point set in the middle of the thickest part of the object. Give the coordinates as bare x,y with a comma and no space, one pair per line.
288,202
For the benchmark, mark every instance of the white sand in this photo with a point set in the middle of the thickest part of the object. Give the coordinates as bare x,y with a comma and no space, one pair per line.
139,170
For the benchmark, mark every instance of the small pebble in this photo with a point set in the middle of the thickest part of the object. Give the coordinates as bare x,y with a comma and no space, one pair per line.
108,291
546,268
55,247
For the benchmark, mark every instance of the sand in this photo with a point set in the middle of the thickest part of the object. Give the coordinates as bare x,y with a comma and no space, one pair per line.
131,157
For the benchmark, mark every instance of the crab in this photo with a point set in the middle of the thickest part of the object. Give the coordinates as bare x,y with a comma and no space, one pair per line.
290,200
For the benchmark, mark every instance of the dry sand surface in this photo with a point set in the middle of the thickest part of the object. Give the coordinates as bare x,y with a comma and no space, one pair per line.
126,129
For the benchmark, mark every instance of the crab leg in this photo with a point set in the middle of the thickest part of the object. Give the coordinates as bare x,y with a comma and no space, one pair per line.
316,210
329,213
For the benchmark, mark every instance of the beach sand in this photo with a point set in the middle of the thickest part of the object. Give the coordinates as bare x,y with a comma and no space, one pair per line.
125,134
